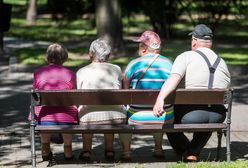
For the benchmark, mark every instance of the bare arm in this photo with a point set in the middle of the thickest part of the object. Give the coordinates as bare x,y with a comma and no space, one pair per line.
169,86
125,83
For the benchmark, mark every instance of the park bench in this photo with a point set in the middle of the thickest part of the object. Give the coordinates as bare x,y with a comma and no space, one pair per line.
122,96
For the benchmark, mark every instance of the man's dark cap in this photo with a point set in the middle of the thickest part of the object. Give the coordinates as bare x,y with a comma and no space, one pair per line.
201,31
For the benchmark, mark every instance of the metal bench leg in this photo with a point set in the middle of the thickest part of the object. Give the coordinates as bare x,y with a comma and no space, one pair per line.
219,135
228,149
32,129
33,153
228,132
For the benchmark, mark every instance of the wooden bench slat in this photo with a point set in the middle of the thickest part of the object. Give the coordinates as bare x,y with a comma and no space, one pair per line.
122,96
123,128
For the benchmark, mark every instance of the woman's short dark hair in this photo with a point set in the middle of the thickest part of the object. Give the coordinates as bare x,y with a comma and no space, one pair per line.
56,54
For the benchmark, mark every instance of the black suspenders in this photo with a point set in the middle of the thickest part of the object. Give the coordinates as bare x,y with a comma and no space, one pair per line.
212,68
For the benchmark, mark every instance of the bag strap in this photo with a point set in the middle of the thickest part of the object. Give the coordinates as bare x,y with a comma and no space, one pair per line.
145,69
212,68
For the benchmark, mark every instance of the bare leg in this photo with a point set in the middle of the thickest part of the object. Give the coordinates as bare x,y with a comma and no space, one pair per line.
126,145
87,142
67,145
158,137
108,140
87,145
108,144
158,149
45,142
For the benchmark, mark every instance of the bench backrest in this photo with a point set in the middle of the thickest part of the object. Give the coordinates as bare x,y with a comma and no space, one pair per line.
126,96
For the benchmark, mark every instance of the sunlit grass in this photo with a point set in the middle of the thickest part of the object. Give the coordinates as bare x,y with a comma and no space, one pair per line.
235,55
23,2
79,56
48,30
236,164
136,24
37,57
235,59
84,29
16,2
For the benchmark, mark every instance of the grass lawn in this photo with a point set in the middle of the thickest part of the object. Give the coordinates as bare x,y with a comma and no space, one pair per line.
231,37
78,56
233,164
236,164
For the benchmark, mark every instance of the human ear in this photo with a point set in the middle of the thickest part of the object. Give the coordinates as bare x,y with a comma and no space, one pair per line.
90,57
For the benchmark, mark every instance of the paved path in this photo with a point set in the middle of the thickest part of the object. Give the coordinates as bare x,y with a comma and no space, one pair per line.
14,129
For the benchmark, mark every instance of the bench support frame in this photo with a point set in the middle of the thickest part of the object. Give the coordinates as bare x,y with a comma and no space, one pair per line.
220,128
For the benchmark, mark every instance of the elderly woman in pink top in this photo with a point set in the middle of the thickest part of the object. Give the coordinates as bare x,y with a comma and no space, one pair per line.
55,77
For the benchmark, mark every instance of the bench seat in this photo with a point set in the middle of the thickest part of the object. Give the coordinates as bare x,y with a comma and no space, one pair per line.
123,128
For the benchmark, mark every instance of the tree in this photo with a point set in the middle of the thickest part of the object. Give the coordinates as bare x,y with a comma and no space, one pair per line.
162,13
212,12
5,16
108,22
31,12
1,29
69,10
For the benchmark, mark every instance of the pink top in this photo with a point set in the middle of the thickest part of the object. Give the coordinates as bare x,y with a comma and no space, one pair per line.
55,77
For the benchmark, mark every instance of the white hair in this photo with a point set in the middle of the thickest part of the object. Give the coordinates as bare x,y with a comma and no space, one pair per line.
203,40
100,50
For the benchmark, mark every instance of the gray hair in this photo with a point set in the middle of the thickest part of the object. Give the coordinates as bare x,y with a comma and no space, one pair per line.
203,40
100,50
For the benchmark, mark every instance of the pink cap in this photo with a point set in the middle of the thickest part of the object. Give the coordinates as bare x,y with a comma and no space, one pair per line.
149,38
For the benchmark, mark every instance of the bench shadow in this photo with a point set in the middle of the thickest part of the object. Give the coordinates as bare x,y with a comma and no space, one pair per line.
140,154
239,150
143,154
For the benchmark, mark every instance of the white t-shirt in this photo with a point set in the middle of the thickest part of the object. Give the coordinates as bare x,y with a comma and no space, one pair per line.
100,76
194,68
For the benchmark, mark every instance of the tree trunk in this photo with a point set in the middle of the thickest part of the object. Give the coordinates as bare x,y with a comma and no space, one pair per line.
31,13
1,29
108,22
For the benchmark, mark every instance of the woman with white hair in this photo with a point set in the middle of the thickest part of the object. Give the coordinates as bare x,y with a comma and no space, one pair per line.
99,75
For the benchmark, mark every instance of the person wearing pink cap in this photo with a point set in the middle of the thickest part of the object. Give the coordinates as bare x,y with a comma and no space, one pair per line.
149,71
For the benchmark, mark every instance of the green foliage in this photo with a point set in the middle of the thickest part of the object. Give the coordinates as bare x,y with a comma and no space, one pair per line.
70,10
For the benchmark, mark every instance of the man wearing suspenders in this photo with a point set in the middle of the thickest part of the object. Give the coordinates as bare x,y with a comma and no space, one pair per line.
202,68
